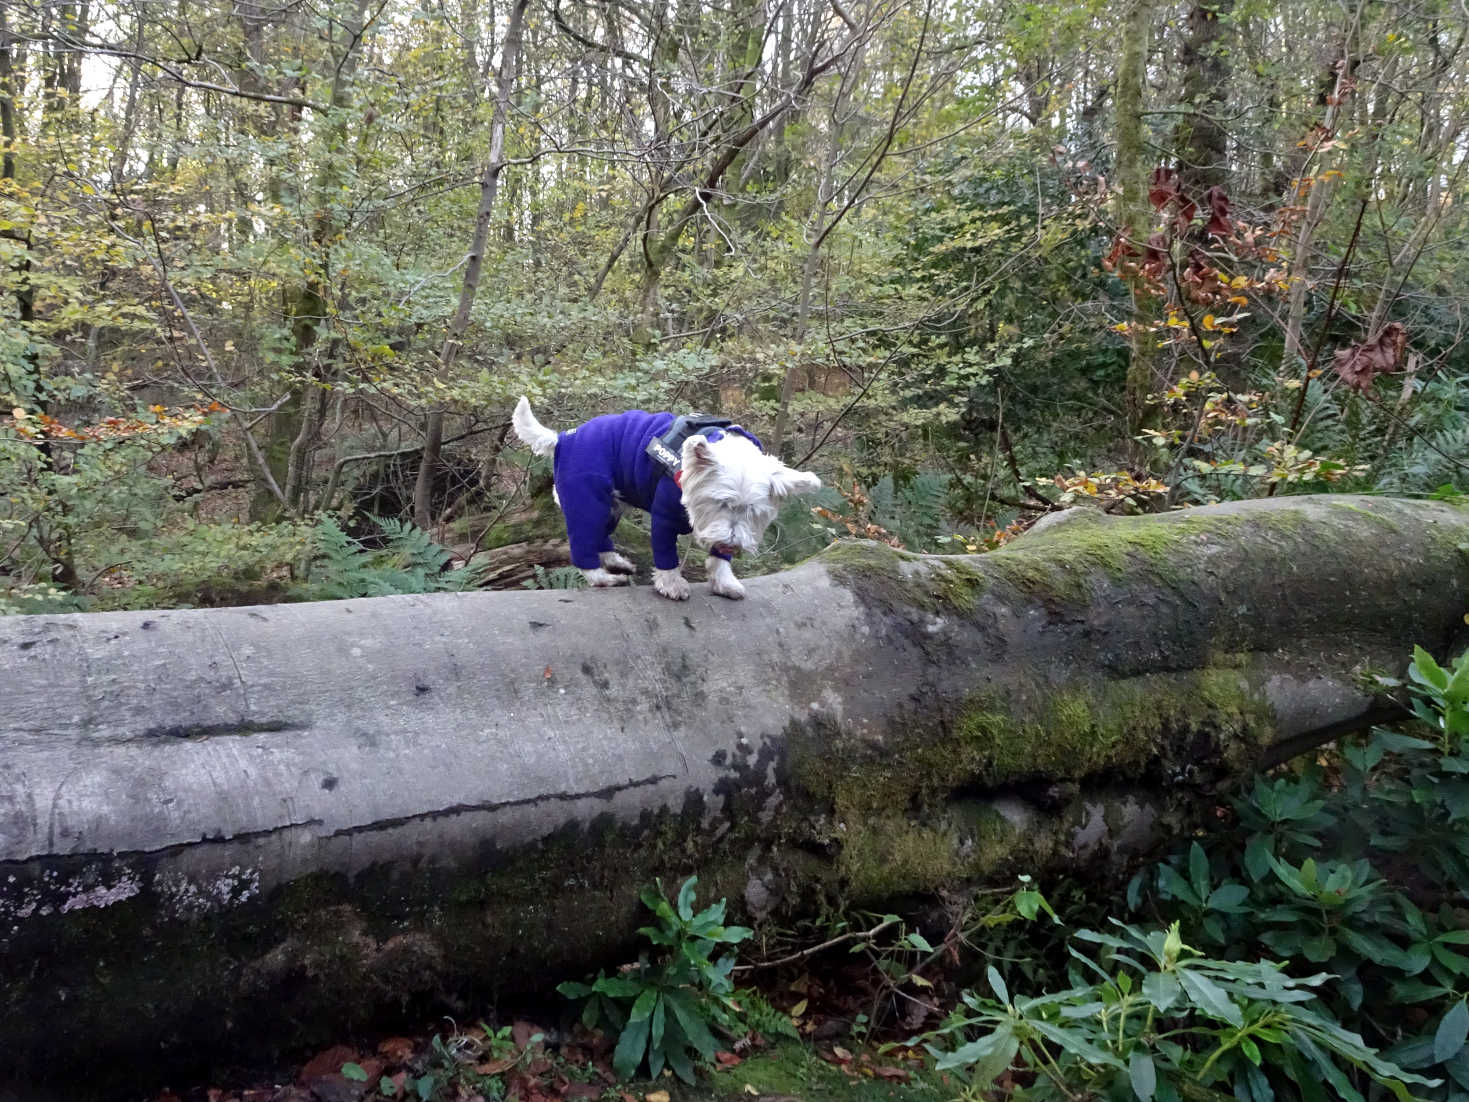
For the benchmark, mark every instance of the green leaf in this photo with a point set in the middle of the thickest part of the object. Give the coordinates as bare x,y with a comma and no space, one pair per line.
678,1060
630,1046
989,1056
355,1072
1426,671
997,985
686,898
687,1013
1229,898
1143,1075
619,987
918,941
655,1026
1162,989
1257,857
1326,1065
1318,948
1198,870
1074,1042
1027,903
644,1006
1173,885
1210,997
1449,1038
424,1087
1250,1049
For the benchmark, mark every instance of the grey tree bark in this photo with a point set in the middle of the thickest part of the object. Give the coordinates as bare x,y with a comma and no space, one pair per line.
245,830
489,188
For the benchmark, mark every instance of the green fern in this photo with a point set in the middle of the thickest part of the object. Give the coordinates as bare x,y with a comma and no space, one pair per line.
561,577
916,512
409,562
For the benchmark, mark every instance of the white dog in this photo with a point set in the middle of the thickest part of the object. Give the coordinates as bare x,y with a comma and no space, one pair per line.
692,474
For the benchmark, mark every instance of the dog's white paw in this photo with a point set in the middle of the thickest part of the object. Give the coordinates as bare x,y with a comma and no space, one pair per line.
614,563
671,584
722,580
602,579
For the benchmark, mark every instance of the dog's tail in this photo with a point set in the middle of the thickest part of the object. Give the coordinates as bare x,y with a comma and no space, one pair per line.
532,433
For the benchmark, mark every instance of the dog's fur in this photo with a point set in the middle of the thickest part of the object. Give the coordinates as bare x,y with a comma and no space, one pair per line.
731,491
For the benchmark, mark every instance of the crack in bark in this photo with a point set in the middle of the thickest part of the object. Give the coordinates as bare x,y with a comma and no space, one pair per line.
604,793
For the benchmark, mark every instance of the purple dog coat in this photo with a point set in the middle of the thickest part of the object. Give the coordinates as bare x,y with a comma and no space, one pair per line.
605,460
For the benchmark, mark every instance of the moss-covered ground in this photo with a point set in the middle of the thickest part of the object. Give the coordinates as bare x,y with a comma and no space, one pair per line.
795,1070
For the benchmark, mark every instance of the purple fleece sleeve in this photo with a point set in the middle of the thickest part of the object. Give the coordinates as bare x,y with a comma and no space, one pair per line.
587,504
669,522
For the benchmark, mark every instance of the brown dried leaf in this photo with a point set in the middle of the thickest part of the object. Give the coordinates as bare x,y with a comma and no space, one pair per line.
1217,200
1164,187
327,1063
1358,364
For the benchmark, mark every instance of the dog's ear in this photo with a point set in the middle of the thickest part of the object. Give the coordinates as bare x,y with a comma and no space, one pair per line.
785,482
698,455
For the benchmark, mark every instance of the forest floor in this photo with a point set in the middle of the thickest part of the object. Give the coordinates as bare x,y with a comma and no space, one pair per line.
809,1052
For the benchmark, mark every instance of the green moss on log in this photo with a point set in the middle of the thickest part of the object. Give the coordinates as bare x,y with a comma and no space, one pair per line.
892,579
891,802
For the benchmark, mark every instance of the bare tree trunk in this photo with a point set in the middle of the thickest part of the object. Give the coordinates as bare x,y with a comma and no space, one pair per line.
1134,214
816,231
1201,140
1293,354
130,108
433,436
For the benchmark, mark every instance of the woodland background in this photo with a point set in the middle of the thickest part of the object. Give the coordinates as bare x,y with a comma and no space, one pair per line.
274,273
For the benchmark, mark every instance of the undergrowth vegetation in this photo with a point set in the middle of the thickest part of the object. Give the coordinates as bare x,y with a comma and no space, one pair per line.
1315,949
1315,946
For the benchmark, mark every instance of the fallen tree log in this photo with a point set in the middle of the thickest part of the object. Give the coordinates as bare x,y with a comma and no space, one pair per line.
232,828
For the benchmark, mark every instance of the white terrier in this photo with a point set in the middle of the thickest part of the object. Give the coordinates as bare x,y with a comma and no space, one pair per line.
692,474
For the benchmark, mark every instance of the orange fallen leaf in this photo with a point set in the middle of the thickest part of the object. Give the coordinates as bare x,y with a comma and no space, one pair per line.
396,1050
495,1067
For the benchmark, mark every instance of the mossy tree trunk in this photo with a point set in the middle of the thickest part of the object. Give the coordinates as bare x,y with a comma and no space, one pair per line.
231,829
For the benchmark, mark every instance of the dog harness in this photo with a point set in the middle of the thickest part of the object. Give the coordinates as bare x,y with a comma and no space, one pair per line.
610,459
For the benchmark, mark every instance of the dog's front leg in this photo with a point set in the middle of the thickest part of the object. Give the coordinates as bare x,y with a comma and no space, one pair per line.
672,584
667,578
721,578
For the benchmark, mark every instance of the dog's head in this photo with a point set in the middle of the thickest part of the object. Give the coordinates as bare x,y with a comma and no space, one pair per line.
732,490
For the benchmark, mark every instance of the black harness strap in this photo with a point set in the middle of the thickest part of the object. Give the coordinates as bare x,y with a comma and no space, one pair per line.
667,450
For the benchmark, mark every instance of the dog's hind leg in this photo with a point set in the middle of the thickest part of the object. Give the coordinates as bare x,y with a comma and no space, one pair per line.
612,562
603,579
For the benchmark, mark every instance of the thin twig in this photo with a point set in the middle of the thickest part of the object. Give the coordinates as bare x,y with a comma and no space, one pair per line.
813,950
